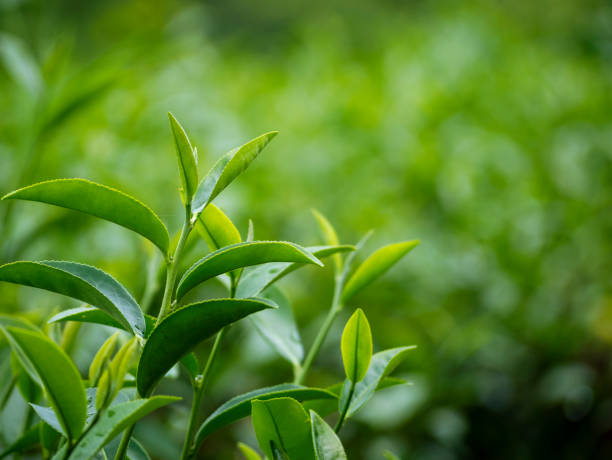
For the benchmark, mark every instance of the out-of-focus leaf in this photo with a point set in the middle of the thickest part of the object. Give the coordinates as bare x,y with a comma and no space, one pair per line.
327,445
226,169
190,362
15,321
52,368
136,451
48,416
26,441
82,282
100,201
330,237
187,159
240,406
248,452
242,255
390,455
259,278
374,266
20,63
278,327
183,329
382,364
113,421
87,314
356,346
284,422
29,389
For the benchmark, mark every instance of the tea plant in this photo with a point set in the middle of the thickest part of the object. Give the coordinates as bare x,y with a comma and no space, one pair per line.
76,418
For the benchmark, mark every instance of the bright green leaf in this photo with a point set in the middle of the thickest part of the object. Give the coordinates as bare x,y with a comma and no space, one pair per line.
278,328
256,279
356,346
240,406
82,282
226,169
102,358
284,422
216,228
183,329
100,201
374,266
327,445
390,455
248,452
242,255
187,159
113,421
52,368
330,237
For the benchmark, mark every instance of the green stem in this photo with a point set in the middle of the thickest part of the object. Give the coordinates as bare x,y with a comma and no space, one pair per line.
345,408
125,442
335,308
195,405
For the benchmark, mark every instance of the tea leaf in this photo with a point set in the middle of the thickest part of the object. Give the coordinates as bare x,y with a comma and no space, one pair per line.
278,328
284,422
375,265
26,441
99,201
240,406
390,455
82,282
248,452
113,421
327,445
226,169
102,358
330,237
183,329
356,346
187,159
257,279
87,314
216,228
382,364
47,415
52,368
242,255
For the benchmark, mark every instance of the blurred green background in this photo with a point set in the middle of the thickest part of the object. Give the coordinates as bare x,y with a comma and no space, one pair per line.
482,128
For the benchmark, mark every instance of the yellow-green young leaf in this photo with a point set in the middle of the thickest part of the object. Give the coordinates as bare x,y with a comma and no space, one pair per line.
187,159
100,201
112,421
284,422
240,406
216,228
330,237
52,368
375,265
120,364
87,314
101,359
356,346
82,282
390,455
226,169
242,255
248,452
250,232
327,445
104,390
179,332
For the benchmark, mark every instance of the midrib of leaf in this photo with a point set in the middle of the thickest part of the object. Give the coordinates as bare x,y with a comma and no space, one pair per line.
278,434
356,352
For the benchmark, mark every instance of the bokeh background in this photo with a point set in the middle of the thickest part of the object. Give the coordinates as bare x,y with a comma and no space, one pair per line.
483,128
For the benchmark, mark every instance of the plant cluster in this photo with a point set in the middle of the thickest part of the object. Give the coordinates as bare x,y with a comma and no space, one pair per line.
77,418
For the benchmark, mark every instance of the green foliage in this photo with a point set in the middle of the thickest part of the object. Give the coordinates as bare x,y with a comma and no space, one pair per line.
327,445
187,160
356,346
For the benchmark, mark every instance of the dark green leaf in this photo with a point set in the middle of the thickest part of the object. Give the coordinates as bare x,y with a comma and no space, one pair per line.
52,368
113,421
242,255
259,278
356,346
100,201
82,282
284,422
27,440
183,329
187,159
375,266
327,445
226,169
278,327
240,406
87,314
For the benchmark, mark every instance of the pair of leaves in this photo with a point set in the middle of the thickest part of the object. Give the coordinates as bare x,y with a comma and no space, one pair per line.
82,282
285,430
242,255
99,201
